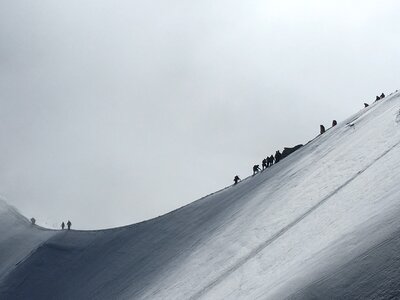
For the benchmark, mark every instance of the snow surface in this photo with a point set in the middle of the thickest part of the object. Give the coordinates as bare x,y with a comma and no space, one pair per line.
321,224
18,238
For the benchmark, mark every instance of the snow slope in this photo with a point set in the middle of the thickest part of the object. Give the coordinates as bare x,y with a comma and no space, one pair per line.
322,223
18,238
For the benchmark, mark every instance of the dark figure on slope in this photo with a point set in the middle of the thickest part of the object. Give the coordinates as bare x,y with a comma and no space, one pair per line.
278,156
377,98
264,164
271,160
268,161
33,221
62,226
334,123
366,105
69,224
256,169
236,179
321,129
382,96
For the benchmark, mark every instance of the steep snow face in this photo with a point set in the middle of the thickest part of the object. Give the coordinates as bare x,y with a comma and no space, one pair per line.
18,238
288,232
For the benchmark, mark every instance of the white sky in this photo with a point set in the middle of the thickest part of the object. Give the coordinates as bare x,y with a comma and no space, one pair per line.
112,112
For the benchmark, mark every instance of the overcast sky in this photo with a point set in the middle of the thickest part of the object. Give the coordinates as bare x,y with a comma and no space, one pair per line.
113,112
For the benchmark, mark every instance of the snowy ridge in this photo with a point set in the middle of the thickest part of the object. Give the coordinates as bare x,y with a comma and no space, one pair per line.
18,238
316,225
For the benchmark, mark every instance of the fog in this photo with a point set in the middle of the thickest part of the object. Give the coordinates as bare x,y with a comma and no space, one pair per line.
114,112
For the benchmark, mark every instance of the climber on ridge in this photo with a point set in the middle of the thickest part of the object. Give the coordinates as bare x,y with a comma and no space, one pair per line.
256,169
278,156
321,129
270,161
236,179
264,164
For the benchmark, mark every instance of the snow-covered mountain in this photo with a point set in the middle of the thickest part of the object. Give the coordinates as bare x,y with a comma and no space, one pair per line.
324,223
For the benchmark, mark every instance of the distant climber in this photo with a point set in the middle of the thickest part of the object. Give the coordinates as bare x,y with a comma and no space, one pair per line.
236,179
264,164
270,160
321,129
69,224
382,96
256,169
33,221
62,226
334,123
278,156
377,98
366,105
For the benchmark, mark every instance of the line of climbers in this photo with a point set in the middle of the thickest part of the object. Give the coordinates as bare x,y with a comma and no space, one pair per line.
377,98
334,123
68,224
380,97
33,221
270,160
322,127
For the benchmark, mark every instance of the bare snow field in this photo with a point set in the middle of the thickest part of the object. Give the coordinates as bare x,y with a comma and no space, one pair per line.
321,224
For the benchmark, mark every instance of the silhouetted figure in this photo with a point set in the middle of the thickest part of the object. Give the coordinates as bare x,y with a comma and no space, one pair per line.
69,224
271,160
236,179
256,169
321,129
33,221
62,226
334,123
264,164
278,156
382,96
366,105
268,161
377,98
